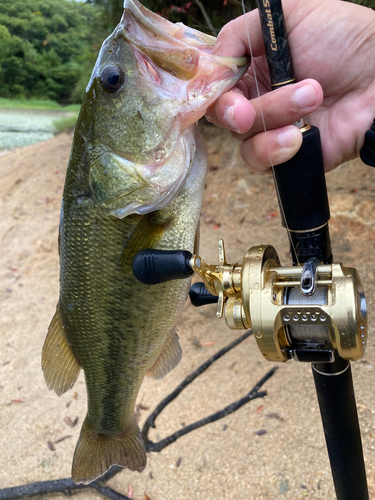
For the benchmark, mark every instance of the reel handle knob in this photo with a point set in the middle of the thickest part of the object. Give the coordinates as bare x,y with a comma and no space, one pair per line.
156,266
200,296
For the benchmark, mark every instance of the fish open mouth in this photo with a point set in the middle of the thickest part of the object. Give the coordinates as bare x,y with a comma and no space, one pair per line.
179,51
173,47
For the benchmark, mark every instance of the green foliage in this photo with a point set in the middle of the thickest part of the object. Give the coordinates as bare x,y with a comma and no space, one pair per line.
42,46
28,104
111,12
190,13
366,3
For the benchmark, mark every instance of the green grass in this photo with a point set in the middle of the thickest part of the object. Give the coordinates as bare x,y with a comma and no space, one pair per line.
36,104
65,122
72,107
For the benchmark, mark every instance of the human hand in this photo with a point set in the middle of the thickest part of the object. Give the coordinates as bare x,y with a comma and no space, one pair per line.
333,43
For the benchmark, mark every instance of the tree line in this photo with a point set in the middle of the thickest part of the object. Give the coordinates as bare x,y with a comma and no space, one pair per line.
48,47
43,45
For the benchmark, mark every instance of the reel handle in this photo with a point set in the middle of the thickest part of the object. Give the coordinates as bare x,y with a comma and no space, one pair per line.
151,267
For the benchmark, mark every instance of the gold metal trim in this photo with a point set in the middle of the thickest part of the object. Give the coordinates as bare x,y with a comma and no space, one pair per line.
305,128
307,230
330,374
283,83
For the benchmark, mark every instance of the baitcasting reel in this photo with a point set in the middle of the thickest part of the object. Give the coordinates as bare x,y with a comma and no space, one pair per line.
296,312
303,312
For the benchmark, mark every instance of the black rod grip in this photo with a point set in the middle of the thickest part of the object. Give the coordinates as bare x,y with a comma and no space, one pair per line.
302,186
156,266
334,386
367,152
276,42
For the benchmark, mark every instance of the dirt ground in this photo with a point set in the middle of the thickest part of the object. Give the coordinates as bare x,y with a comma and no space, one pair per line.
229,459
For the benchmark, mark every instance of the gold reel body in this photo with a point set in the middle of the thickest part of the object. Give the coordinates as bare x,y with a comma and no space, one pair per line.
287,323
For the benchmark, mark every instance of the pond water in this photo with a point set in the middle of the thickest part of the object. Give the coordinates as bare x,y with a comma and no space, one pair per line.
21,127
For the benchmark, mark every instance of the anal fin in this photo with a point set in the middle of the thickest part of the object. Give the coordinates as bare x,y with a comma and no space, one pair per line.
59,364
168,359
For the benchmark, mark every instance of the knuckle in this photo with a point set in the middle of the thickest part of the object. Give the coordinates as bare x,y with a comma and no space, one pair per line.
256,154
269,111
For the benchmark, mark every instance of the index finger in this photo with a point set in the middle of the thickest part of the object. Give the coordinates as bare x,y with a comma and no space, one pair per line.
236,37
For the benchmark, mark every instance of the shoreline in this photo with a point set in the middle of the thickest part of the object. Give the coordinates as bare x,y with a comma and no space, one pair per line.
24,127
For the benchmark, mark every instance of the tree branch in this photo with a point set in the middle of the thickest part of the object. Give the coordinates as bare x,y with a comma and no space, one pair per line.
206,17
253,394
150,422
65,486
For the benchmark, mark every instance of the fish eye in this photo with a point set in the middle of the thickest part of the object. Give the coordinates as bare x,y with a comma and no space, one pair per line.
112,77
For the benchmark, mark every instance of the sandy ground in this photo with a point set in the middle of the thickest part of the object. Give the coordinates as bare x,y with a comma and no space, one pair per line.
228,459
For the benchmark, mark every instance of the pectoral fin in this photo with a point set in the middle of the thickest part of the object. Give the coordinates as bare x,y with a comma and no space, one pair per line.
147,234
59,364
168,359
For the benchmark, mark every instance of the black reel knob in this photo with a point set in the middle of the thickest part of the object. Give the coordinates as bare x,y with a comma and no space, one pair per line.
151,267
200,296
156,266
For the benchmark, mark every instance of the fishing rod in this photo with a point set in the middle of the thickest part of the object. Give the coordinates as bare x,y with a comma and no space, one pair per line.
304,201
313,311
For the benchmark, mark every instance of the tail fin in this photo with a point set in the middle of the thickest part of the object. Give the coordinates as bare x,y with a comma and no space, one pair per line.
96,453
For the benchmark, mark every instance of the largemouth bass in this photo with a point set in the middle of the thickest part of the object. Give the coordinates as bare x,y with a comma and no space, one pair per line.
135,180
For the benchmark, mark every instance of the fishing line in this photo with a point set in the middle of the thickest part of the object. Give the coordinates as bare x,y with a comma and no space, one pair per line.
266,136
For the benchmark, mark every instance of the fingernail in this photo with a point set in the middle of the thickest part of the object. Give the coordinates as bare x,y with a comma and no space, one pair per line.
288,138
305,96
229,117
